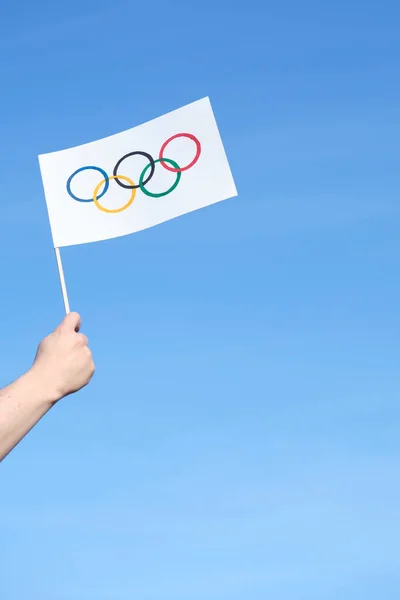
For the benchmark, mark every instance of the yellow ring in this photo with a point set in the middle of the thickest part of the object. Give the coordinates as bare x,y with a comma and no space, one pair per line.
114,210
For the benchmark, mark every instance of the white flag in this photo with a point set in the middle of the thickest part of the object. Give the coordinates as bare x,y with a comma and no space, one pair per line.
138,178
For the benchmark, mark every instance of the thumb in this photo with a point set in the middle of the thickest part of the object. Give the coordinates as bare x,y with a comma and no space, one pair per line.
72,322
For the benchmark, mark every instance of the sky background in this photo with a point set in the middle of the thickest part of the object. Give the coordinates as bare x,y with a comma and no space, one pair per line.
241,437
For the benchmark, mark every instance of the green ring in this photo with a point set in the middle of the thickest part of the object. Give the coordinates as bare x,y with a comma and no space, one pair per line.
171,189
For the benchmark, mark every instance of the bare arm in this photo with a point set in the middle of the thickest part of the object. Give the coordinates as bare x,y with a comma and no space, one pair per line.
63,365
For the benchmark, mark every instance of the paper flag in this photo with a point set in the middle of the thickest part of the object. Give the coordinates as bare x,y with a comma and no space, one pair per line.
138,178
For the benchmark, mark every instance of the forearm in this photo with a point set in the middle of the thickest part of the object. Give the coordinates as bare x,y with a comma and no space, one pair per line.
22,405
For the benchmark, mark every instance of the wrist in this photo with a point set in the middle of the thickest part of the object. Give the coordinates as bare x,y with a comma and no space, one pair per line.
39,387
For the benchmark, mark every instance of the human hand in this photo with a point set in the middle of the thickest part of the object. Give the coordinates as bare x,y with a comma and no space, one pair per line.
64,363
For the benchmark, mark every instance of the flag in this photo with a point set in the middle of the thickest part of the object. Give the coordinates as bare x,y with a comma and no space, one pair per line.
136,179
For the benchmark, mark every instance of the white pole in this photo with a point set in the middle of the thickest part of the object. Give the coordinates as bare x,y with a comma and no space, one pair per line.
62,280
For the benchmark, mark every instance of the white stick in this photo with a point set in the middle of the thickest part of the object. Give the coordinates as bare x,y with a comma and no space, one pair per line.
62,280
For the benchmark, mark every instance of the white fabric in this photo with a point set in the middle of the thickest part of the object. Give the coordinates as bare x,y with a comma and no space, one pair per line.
206,182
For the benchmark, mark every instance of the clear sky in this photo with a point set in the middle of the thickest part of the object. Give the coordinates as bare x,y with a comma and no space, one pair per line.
241,438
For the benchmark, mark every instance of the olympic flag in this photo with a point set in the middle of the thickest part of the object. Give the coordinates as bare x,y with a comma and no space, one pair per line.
136,179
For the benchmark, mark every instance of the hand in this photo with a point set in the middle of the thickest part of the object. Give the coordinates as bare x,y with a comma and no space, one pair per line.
63,362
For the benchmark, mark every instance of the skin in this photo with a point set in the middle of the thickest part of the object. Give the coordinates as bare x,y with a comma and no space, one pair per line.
63,365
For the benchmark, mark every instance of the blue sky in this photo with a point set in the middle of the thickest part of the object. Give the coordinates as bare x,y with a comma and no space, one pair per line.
241,438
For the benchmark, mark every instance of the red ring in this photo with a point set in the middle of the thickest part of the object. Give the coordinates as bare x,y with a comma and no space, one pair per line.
194,161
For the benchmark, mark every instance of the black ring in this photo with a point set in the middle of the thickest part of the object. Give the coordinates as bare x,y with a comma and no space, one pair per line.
152,169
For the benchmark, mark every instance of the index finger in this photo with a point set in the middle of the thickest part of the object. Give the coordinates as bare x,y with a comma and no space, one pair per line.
72,322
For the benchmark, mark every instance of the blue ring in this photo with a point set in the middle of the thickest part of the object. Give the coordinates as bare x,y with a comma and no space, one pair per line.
105,176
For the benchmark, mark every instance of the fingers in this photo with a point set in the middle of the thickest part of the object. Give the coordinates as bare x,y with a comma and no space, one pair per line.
83,339
72,322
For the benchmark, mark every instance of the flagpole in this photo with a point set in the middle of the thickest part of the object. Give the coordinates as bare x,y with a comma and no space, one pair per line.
62,280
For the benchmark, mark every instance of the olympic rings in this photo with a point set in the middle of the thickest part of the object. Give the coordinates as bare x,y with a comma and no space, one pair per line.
143,180
85,169
177,170
190,165
114,210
